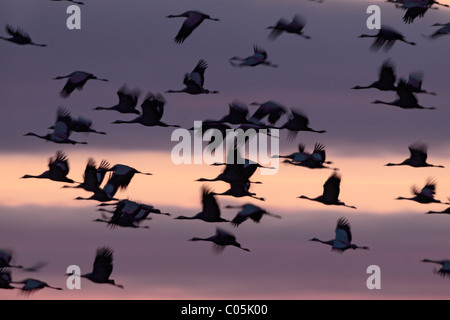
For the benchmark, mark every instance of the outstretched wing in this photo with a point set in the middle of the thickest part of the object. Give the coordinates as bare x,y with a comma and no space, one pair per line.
103,266
343,234
209,202
59,165
331,188
418,152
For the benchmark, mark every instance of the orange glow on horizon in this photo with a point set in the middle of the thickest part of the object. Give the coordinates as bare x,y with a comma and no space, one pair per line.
366,183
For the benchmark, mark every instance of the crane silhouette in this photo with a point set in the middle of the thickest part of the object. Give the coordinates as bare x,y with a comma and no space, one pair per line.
120,179
128,214
343,238
237,168
296,122
210,209
294,27
62,129
31,285
250,211
270,109
238,190
259,57
152,112
406,99
418,157
79,125
386,38
237,113
102,268
331,190
19,37
444,271
194,81
424,195
386,78
93,176
314,160
58,169
220,240
76,80
193,20
128,100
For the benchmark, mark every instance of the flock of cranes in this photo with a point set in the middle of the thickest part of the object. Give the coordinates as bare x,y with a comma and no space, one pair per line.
238,170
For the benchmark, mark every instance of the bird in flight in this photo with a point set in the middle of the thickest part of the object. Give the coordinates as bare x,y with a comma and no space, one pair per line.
152,112
406,98
58,169
259,57
220,240
128,100
314,160
294,27
193,20
102,268
418,157
19,37
33,285
62,129
424,195
194,81
385,38
210,209
331,190
297,122
386,78
76,80
250,211
343,239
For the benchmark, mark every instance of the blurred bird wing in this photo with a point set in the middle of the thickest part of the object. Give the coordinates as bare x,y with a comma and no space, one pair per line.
418,152
209,203
298,22
387,73
192,22
153,107
18,34
331,188
103,263
59,164
343,233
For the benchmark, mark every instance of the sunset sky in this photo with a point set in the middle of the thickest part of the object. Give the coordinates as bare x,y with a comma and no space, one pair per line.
132,43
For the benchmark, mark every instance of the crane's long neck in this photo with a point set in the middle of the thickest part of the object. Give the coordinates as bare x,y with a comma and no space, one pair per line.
329,242
204,179
36,135
124,121
185,218
176,91
201,239
433,261
38,44
28,176
104,108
